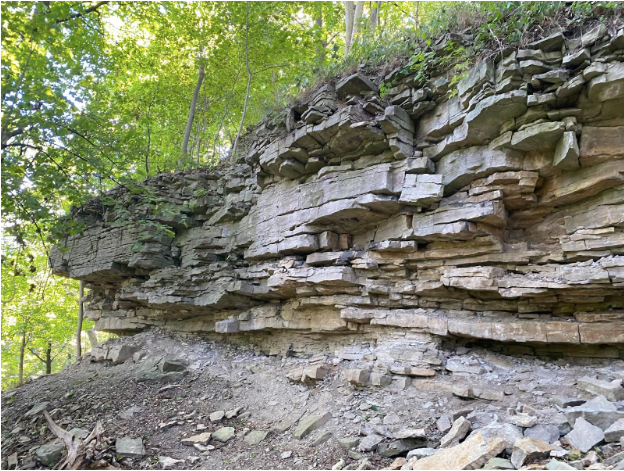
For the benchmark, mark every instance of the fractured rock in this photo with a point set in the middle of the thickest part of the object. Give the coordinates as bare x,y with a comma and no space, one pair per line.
311,423
202,439
370,442
529,449
584,436
548,433
598,411
129,447
613,390
615,432
50,453
471,454
567,152
255,437
223,434
458,431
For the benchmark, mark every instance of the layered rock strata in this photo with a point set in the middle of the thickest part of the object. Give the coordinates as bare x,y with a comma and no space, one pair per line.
492,211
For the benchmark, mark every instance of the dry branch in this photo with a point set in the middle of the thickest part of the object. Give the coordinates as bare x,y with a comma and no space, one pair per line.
76,448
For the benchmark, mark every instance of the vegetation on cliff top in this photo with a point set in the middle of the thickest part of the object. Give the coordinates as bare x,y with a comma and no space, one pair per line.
97,94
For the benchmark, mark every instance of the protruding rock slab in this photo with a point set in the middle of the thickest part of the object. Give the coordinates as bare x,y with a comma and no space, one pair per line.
567,152
471,454
612,390
311,423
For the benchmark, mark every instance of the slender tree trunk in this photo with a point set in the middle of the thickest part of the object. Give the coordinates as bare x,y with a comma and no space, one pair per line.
416,18
48,358
20,376
349,14
321,45
374,18
357,20
249,75
225,113
80,316
93,340
189,123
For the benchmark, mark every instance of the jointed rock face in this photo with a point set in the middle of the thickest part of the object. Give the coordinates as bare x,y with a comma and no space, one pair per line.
381,224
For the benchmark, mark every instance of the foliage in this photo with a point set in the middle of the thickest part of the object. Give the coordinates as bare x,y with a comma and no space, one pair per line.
38,307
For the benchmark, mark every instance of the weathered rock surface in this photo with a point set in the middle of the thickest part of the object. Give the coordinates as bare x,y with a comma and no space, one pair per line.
471,454
495,213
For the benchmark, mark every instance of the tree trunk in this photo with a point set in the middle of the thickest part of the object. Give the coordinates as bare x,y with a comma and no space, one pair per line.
225,112
191,116
80,316
349,14
357,20
240,127
321,45
93,340
20,376
48,358
416,19
374,18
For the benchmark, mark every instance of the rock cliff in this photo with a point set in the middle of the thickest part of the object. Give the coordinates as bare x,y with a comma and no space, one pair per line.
386,223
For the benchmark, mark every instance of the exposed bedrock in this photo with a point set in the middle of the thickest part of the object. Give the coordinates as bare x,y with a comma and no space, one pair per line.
395,221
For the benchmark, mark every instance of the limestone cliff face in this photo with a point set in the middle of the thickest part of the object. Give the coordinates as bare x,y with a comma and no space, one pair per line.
496,214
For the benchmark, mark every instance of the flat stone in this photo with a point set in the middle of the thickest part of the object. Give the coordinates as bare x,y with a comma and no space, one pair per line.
223,434
311,423
398,447
202,439
546,432
608,86
288,421
217,416
528,450
599,411
549,43
464,365
230,414
584,436
601,143
320,436
522,420
538,136
615,432
37,409
348,443
50,453
508,432
128,447
168,462
498,463
421,453
444,423
471,454
613,390
567,152
355,84
458,431
255,436
357,376
370,442
554,465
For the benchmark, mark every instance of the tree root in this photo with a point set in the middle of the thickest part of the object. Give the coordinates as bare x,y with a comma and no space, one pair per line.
76,448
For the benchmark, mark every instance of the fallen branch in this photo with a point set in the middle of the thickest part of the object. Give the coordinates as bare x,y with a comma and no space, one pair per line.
76,448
